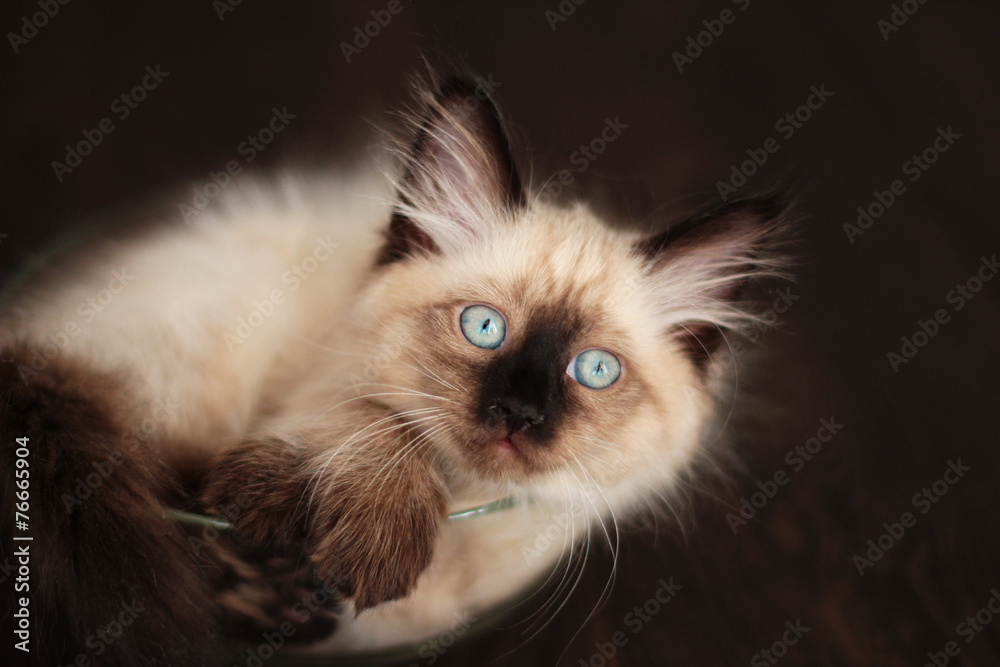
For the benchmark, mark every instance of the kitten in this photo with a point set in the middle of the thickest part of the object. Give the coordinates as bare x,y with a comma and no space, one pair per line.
335,364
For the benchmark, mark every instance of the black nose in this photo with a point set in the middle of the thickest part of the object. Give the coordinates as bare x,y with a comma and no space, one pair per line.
515,414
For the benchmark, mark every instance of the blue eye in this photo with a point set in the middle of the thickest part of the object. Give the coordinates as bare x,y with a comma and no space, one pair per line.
483,327
596,368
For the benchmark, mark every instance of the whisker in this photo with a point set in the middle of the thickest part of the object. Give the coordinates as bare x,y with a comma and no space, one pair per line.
606,593
358,434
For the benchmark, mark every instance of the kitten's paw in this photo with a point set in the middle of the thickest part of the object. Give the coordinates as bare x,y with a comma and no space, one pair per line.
370,530
260,589
376,539
259,488
265,577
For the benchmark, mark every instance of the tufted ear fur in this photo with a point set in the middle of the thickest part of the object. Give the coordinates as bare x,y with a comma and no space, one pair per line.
459,172
698,270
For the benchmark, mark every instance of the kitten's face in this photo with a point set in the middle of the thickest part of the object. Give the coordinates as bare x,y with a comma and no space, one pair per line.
527,344
536,355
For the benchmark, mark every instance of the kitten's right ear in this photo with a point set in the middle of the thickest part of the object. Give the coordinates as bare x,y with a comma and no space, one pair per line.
698,270
460,174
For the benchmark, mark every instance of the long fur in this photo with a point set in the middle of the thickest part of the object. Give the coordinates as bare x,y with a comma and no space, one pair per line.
303,336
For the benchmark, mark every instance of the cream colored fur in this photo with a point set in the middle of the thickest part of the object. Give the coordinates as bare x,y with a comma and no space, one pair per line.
173,331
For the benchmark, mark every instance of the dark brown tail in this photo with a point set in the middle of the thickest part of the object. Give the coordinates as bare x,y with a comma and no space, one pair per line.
108,577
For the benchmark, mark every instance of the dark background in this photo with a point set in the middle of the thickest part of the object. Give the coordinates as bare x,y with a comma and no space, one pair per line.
793,561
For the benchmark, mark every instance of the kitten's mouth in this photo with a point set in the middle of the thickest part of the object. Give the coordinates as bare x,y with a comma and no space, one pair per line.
513,441
510,449
502,453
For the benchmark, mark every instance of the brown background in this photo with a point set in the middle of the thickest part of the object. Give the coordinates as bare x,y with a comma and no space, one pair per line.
794,561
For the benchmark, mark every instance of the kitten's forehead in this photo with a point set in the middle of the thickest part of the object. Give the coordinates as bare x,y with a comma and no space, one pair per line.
551,257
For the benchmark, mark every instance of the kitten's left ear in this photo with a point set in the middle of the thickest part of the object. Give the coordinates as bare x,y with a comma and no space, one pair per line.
698,270
460,173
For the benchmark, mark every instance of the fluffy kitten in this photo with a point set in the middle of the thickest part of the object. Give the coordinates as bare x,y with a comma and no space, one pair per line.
334,365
